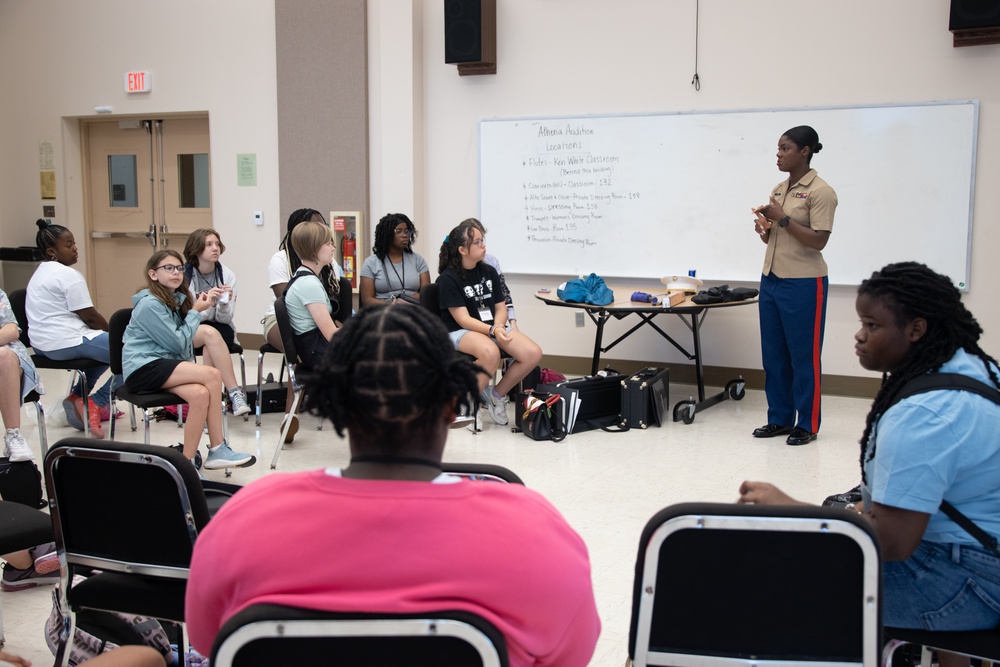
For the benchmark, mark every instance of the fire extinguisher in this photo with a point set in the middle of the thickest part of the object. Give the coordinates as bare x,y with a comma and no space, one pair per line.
350,245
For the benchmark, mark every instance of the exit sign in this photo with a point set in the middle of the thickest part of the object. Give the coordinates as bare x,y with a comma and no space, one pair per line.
138,82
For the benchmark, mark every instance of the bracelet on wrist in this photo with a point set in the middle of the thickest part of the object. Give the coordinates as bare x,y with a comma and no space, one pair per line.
492,329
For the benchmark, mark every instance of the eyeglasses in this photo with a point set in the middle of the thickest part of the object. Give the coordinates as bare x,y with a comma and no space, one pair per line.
404,231
170,268
481,242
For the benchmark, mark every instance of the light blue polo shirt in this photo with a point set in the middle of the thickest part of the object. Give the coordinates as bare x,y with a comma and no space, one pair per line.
941,444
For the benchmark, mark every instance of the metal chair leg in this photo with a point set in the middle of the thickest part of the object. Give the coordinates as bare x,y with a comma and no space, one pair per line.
44,442
284,429
260,375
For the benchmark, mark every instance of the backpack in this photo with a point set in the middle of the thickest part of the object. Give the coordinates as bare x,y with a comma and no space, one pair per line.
21,482
99,631
932,382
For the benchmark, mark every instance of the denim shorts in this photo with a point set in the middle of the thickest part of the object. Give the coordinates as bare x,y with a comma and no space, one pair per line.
457,335
942,587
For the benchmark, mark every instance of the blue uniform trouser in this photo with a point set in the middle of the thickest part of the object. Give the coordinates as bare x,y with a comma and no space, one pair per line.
792,320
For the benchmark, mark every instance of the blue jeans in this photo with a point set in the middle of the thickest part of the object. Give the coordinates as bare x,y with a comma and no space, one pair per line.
942,587
97,349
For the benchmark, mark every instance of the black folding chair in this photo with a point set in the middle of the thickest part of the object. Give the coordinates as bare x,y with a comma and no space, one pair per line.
292,363
486,472
21,527
983,645
267,635
157,399
131,511
730,585
429,300
116,335
75,366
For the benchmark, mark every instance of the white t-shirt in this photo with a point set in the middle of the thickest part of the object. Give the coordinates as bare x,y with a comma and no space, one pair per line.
279,272
54,292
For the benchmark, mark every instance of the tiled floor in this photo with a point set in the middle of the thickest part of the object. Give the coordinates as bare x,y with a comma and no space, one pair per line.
606,484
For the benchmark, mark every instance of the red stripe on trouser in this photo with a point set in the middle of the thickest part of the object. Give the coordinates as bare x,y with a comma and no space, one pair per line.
817,335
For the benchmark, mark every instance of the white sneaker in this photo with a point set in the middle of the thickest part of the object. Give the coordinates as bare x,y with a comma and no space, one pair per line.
15,446
496,406
239,401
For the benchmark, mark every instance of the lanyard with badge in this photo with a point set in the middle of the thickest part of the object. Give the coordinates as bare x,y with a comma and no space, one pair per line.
485,313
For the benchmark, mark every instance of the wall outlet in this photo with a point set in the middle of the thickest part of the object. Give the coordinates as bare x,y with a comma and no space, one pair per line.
579,320
258,218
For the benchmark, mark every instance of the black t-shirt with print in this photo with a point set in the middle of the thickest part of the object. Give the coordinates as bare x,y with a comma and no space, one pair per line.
480,289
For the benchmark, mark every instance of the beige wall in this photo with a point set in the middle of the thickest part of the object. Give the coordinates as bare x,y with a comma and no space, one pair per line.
571,57
60,59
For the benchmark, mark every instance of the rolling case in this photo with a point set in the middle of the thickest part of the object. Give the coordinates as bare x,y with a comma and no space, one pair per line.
591,402
645,399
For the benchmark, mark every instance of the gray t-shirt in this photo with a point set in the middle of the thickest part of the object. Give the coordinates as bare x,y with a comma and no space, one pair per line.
393,279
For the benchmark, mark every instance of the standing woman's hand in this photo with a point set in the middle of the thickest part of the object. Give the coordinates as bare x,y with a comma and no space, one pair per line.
761,225
771,210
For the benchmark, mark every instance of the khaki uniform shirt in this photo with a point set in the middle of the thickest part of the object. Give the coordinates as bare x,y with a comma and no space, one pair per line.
811,202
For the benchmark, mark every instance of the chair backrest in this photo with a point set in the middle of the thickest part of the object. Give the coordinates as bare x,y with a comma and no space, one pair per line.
721,584
429,298
124,507
487,472
116,338
273,635
17,299
286,331
345,301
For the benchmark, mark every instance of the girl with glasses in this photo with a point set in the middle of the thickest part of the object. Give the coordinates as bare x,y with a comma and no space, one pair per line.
393,269
159,342
473,309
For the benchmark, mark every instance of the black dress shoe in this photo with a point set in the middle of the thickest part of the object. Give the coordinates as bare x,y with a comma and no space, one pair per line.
771,430
800,436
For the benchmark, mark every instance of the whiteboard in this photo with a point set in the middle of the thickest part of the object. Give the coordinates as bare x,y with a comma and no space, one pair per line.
644,196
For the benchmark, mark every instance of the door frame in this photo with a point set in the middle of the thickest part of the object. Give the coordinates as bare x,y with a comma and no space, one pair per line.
86,178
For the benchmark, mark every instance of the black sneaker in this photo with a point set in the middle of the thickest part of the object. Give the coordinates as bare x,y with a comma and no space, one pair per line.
197,455
15,579
852,497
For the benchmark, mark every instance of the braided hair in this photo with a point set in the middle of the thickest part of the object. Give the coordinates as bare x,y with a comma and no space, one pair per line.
449,256
390,371
327,275
911,290
385,233
47,236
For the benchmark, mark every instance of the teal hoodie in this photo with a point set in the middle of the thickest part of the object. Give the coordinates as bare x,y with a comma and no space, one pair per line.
156,332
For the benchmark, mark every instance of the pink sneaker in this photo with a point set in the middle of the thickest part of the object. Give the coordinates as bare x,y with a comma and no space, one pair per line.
106,413
47,563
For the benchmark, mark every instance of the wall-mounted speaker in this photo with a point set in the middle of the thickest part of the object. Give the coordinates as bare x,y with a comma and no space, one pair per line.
975,22
470,35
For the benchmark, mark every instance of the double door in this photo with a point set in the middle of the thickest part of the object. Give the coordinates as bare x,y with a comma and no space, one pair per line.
148,188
